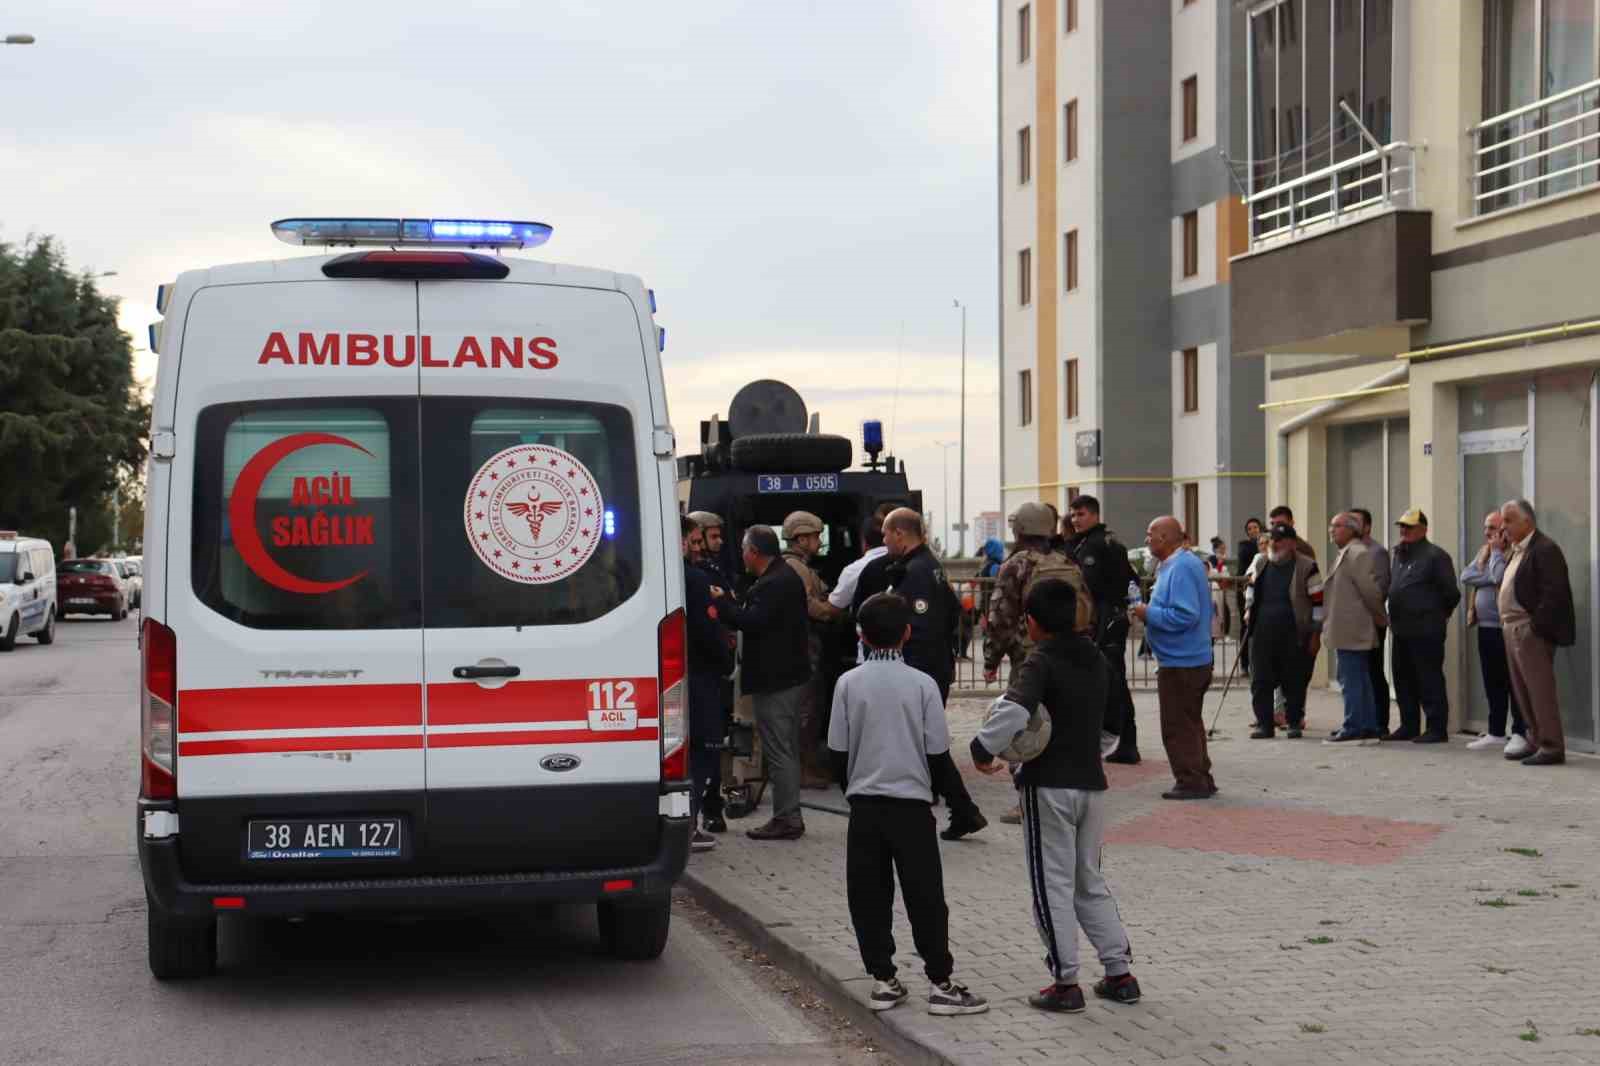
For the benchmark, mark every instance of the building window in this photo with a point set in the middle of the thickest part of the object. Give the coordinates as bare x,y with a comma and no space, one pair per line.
1025,277
1069,130
1071,377
1191,107
1191,244
1069,16
1191,510
1024,32
1025,396
1191,380
1024,155
1069,256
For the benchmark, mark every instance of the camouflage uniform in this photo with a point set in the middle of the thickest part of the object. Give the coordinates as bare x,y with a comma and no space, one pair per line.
1007,632
820,612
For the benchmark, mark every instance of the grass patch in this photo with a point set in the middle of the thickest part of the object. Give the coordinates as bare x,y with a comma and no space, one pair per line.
1319,940
1499,970
1530,892
1531,1034
1531,853
1498,901
1313,1027
1587,1032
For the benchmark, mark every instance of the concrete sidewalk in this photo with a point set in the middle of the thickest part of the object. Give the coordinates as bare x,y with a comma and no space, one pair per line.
1331,904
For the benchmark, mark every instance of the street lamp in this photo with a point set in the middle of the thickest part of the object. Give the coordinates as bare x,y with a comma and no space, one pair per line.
961,515
19,38
946,445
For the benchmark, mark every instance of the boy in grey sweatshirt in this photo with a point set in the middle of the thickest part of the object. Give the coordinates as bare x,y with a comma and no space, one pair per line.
888,741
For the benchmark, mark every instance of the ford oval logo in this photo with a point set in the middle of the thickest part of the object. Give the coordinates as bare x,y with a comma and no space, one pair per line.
560,762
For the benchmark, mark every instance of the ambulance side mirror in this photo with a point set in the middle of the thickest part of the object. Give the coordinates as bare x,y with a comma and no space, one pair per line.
27,576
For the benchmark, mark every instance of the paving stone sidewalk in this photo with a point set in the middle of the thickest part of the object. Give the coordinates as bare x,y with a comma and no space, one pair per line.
1331,904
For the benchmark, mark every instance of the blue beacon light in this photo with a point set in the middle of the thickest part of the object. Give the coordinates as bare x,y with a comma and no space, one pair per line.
610,527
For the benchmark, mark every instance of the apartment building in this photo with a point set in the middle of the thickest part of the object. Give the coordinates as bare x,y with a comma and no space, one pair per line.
1422,219
1118,221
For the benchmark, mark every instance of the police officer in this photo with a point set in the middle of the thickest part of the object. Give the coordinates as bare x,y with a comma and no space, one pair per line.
802,536
1104,562
715,559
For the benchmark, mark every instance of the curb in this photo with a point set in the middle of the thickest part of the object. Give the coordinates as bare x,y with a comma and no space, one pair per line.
795,952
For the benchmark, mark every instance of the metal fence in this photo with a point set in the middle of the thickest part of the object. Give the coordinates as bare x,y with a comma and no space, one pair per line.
974,594
1530,153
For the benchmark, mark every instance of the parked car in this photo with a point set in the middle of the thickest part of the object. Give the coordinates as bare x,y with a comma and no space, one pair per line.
90,586
27,589
132,580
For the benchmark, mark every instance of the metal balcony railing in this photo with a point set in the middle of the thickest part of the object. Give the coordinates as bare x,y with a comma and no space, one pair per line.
1381,177
1534,152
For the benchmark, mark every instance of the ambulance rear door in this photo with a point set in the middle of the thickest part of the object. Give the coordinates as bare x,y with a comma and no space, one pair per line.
293,596
545,576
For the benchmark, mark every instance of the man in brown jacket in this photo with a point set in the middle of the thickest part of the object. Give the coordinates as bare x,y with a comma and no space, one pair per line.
1537,616
802,532
1353,606
1285,632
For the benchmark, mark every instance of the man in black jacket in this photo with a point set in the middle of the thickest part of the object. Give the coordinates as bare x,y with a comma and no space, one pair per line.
1537,614
911,571
710,660
1104,562
1063,797
1422,595
775,671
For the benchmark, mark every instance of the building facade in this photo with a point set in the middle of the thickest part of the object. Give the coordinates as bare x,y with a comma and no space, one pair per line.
1118,221
989,525
1424,200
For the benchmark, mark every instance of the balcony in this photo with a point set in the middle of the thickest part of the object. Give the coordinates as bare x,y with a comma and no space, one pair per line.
1338,260
1534,153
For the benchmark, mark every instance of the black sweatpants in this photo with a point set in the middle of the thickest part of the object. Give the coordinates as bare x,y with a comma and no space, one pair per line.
951,788
1419,684
1119,716
889,836
1278,659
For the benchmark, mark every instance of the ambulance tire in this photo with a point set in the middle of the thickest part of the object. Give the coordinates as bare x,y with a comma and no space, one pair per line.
635,932
47,635
792,453
180,949
9,639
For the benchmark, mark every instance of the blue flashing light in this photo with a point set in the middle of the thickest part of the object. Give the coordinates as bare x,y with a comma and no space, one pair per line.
872,436
652,294
661,338
468,232
610,527
154,337
163,294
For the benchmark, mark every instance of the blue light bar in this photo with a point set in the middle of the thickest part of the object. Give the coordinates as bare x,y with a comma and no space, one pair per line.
872,436
155,338
652,294
388,232
661,338
163,294
610,523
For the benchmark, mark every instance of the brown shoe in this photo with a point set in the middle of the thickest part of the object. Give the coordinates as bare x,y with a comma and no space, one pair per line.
1013,816
1545,758
778,829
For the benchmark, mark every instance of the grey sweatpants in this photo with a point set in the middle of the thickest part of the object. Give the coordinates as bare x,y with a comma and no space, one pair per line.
1063,830
778,723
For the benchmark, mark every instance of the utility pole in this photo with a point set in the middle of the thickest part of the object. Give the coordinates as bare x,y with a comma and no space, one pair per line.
945,446
961,515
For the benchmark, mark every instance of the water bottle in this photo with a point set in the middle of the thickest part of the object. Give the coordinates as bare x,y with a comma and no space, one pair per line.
1134,598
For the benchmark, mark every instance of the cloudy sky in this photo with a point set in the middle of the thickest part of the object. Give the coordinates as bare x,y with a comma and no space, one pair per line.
807,186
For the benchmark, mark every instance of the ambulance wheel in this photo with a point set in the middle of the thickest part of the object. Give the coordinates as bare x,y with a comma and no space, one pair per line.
636,931
9,641
47,635
180,949
792,453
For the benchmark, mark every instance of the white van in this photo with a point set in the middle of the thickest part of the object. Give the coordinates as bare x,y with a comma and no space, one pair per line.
27,590
413,633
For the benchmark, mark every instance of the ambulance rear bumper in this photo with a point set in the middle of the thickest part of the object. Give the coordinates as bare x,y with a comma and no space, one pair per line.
171,894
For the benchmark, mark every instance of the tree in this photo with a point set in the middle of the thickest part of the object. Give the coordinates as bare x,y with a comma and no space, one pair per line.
71,422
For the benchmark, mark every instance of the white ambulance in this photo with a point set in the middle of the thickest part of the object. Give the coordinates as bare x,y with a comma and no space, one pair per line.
413,632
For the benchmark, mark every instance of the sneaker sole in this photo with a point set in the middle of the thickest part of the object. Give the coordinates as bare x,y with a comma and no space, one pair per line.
877,1004
947,1010
1058,1010
1114,999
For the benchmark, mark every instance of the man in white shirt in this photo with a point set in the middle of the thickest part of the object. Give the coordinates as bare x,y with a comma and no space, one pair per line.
843,594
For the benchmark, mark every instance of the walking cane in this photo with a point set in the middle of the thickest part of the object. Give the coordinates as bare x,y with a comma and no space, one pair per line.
1226,685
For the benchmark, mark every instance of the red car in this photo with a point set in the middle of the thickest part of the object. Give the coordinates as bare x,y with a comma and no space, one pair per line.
90,586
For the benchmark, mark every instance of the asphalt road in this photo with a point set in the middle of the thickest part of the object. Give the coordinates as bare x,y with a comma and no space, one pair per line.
74,987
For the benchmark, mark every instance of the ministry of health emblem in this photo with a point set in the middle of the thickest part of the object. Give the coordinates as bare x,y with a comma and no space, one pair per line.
534,514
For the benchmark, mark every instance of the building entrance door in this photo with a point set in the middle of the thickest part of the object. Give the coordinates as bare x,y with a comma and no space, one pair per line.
1496,466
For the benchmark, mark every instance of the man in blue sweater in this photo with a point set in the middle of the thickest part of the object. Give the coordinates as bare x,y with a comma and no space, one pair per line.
1177,624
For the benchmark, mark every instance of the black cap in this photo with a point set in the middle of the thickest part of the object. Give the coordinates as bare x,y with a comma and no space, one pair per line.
1283,532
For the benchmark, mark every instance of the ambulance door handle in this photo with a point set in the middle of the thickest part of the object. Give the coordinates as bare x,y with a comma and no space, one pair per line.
474,673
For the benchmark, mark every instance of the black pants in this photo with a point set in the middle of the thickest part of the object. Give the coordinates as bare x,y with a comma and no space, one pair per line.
1278,659
1497,682
705,781
1119,716
1419,684
1380,681
889,836
951,788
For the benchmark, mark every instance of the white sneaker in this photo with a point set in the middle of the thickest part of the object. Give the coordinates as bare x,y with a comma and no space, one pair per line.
1517,746
887,994
1487,741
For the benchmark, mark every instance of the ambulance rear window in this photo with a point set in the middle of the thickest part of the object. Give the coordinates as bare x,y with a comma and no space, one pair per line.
304,514
531,511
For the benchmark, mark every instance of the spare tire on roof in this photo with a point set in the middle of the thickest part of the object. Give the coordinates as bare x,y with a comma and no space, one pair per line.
792,453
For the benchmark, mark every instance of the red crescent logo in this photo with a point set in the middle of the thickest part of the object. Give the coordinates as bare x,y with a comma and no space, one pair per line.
242,514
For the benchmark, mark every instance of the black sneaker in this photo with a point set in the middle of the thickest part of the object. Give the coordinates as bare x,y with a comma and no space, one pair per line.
1430,738
951,998
886,994
702,841
960,827
714,823
1188,794
1401,734
1127,758
1121,989
1262,734
1063,999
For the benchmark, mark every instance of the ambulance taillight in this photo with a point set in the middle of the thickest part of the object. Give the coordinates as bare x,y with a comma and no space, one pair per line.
672,639
158,701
